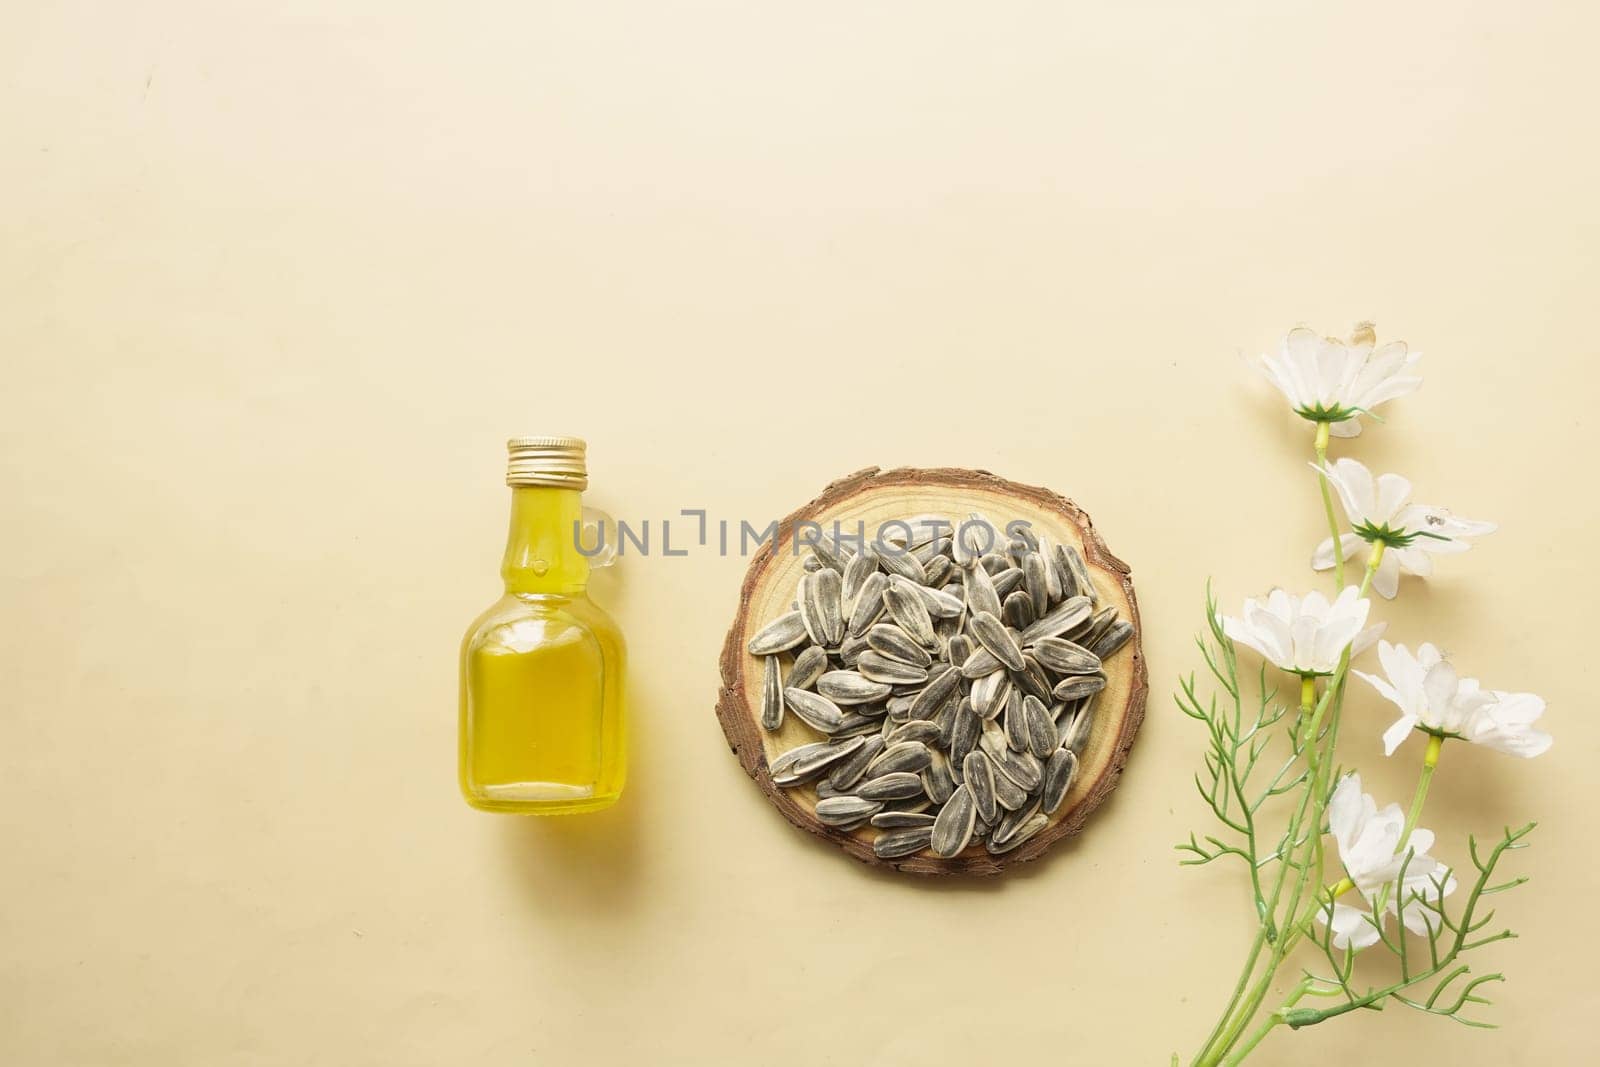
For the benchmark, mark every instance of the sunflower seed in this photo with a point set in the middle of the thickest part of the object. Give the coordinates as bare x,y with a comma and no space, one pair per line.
1013,821
941,605
910,613
937,781
779,635
869,602
1008,794
889,640
807,760
935,693
837,811
1079,686
1098,626
852,724
892,844
1017,611
980,663
1031,679
981,595
952,830
899,562
1058,775
911,757
1022,833
931,549
1022,768
876,666
1072,562
989,694
1064,657
1114,638
1077,737
959,648
919,730
978,777
808,667
1016,721
1059,620
856,573
989,632
939,571
1052,572
771,694
965,729
900,820
1007,581
818,712
1041,728
896,786
821,608
848,771
848,687
1036,582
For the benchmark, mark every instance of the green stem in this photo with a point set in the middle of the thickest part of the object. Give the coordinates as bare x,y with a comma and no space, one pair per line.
1327,504
1430,760
1267,1024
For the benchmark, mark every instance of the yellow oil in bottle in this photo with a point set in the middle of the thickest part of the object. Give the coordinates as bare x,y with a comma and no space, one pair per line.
542,727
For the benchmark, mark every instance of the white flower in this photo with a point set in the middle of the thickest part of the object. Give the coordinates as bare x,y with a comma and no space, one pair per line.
1369,847
1434,699
1327,380
1381,510
1304,635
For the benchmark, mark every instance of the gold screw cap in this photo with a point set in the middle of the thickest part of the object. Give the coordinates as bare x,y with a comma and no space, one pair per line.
557,462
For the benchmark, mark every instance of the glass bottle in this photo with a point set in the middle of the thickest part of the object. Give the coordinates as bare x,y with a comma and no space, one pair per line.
542,729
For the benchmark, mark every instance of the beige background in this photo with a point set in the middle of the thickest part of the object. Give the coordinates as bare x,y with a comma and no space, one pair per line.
278,279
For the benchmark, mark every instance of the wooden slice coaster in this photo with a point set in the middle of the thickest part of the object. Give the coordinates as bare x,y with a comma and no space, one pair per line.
874,497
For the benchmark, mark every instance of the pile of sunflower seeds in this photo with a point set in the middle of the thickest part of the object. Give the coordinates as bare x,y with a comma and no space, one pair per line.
951,672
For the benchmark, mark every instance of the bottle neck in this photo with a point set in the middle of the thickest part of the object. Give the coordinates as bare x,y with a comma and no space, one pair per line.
541,553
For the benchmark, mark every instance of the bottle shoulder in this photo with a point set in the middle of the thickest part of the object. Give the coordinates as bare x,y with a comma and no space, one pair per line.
520,621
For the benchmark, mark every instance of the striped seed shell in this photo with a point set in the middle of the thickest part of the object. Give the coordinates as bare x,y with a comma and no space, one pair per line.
930,549
941,605
880,668
980,663
937,781
981,595
1058,775
798,764
959,648
1098,626
1061,619
1113,639
1007,581
1008,794
1077,737
990,693
1023,768
1016,721
842,810
965,730
1031,679
1017,611
1079,685
781,634
939,571
847,772
1013,821
1072,560
887,639
952,829
853,724
978,777
1036,582
771,694
940,685
991,633
1041,728
892,844
897,561
1064,657
856,573
848,687
910,757
821,608
818,712
869,602
899,785
920,730
808,667
902,820
1022,834
1052,572
909,612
